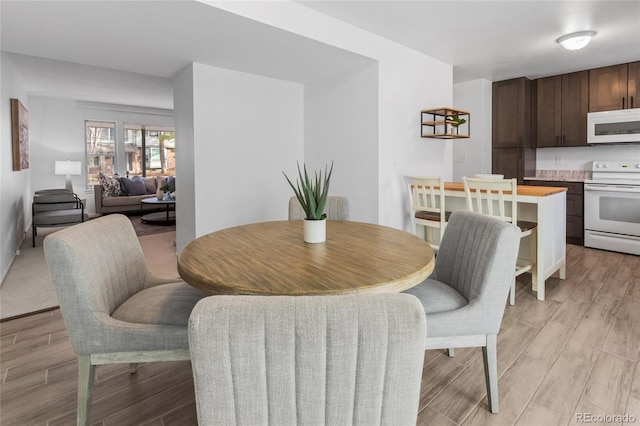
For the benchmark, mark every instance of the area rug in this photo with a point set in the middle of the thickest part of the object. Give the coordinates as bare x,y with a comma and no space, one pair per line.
149,228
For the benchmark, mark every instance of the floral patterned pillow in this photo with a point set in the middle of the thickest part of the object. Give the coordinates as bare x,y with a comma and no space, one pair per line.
110,185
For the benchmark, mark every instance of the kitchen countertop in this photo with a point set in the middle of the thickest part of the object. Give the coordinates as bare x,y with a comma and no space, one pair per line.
544,205
561,175
534,191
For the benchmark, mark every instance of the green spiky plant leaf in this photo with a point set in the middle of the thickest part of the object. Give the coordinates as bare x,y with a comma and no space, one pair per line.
312,193
458,120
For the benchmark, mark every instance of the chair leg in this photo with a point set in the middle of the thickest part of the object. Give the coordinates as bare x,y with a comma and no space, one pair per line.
33,235
86,374
490,357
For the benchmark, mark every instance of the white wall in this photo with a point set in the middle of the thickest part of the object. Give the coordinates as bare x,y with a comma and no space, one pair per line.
186,184
407,83
247,129
15,186
341,125
580,158
473,155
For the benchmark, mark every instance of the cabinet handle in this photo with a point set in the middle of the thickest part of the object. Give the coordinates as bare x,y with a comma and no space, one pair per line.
623,102
632,102
557,140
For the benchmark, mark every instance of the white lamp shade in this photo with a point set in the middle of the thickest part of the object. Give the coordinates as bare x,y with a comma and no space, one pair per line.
68,167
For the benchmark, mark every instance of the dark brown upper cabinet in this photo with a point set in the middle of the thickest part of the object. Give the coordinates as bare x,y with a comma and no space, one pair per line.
615,87
512,154
511,111
562,103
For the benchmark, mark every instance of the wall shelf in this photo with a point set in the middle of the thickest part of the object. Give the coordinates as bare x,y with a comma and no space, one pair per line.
444,123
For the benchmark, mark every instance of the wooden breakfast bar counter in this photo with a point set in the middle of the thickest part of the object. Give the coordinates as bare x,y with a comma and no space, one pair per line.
544,205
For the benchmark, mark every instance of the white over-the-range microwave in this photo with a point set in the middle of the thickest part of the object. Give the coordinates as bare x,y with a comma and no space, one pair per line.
614,126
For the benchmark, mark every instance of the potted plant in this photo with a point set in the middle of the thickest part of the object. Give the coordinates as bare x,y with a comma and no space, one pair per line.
168,190
456,121
312,195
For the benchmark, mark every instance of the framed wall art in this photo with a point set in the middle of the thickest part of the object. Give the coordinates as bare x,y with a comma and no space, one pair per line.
19,135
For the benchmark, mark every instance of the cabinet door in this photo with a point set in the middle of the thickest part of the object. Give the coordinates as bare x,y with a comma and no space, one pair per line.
508,162
575,105
548,111
608,88
633,86
511,113
575,230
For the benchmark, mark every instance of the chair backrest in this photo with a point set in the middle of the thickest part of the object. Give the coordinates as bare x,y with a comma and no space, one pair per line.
286,360
337,208
477,257
492,192
426,193
95,266
53,191
49,200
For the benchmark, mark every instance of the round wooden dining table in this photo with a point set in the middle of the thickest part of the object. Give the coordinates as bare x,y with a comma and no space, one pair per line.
271,258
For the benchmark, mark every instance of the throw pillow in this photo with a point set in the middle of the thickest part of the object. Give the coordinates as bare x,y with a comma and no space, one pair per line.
110,185
123,189
133,186
150,184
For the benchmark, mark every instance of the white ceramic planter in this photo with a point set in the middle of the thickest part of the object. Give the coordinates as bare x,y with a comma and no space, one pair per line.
315,231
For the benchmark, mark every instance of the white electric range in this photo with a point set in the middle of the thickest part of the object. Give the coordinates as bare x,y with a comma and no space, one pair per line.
612,207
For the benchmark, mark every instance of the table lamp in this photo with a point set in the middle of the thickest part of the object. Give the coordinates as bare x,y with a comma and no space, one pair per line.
68,168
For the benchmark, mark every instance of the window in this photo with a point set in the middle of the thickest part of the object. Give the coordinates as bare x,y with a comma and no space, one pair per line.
101,149
149,150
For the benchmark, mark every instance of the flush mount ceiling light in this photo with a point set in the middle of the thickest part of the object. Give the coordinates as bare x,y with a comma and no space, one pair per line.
575,41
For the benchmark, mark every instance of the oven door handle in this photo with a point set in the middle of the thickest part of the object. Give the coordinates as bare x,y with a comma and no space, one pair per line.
609,188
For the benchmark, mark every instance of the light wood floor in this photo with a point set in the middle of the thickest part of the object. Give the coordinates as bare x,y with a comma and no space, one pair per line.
577,352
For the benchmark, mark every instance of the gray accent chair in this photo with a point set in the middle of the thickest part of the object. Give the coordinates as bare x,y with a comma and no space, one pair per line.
115,310
465,297
337,208
55,207
308,360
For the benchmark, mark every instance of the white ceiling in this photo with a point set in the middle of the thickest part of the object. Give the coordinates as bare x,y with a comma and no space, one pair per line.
495,40
152,38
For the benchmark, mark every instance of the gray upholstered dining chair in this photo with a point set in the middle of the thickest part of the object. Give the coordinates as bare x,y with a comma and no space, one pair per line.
115,310
465,296
337,208
286,360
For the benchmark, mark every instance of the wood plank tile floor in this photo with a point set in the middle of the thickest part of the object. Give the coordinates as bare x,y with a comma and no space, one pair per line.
564,361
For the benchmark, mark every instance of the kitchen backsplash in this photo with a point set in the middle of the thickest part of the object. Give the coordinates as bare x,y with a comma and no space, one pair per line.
561,175
580,158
